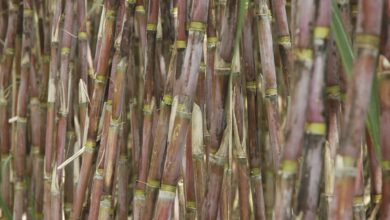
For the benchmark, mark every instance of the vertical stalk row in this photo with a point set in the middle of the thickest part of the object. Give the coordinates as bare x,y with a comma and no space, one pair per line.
186,92
296,117
95,106
358,93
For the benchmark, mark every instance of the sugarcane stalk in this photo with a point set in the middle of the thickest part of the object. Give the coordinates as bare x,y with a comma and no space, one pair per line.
97,183
160,74
3,24
270,85
5,75
384,97
123,175
99,86
168,15
216,170
199,165
358,206
160,142
64,85
220,9
242,170
36,137
112,139
333,110
374,158
51,100
229,183
296,117
315,129
210,68
70,142
82,40
44,23
188,81
21,123
181,39
223,59
217,161
385,44
141,18
375,172
356,105
150,97
133,100
254,152
284,40
84,65
189,185
135,122
99,34
42,52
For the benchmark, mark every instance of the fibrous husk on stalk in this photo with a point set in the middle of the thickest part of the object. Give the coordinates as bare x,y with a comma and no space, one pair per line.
242,169
229,183
222,67
223,59
216,170
356,105
198,157
238,153
219,164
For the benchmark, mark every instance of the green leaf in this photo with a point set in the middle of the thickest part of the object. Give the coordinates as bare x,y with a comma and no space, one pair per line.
372,121
5,209
344,46
343,41
241,14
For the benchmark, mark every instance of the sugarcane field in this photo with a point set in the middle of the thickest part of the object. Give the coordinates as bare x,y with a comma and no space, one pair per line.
194,109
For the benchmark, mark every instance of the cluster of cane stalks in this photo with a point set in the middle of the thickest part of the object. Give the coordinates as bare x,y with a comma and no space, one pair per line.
194,109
